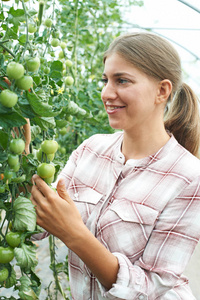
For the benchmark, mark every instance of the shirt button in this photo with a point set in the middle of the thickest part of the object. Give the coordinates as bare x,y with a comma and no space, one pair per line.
141,297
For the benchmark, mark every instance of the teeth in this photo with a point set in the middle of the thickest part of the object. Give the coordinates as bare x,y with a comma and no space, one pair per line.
113,107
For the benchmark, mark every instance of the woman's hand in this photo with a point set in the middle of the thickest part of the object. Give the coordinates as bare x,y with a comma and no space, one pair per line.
56,212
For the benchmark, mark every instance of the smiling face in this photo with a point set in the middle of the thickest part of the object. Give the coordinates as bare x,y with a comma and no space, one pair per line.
128,95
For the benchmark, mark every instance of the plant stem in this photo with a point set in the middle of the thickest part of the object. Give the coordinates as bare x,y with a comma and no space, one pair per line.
76,43
27,37
5,48
52,247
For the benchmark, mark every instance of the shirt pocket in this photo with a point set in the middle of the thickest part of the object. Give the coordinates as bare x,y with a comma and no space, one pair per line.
126,227
85,200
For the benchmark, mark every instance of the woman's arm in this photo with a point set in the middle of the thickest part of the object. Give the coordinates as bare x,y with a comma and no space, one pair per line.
57,214
164,259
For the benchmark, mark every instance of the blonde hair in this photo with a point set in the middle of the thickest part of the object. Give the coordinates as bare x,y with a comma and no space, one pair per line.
157,58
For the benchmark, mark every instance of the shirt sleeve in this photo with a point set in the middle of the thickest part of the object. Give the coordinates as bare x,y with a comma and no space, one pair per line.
169,248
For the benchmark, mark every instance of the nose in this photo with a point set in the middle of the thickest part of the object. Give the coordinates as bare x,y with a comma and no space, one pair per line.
108,92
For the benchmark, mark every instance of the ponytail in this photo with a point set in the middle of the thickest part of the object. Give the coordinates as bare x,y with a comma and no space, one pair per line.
183,119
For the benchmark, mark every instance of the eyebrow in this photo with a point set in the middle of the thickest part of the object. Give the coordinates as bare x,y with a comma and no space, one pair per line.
119,74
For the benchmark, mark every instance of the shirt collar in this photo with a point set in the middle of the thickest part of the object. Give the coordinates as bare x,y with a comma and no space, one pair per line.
144,162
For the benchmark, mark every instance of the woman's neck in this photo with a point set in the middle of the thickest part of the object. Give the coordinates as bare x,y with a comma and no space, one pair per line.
143,144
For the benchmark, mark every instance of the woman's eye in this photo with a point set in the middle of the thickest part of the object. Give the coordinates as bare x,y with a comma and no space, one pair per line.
104,80
122,81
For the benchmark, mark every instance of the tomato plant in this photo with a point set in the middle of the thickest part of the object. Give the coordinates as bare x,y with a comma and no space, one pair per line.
51,62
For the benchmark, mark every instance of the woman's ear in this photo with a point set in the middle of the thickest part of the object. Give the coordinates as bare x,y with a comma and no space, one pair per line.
164,91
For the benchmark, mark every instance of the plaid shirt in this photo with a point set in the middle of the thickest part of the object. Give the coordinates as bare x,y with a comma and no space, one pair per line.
146,212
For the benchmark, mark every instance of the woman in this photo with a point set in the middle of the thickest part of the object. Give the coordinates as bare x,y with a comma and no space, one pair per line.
131,213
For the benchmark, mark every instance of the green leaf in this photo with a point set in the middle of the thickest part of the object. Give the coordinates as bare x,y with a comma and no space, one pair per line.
16,16
22,39
40,108
26,257
28,295
3,139
11,280
24,214
32,12
56,66
16,13
11,119
25,290
61,123
35,131
45,123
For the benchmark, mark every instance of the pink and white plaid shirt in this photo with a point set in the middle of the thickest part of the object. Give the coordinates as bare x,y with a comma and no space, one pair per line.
146,212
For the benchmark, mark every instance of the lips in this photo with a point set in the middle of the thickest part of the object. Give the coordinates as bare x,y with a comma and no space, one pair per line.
113,109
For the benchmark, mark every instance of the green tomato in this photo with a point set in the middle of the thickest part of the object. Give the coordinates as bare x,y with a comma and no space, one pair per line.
63,131
49,146
4,271
46,70
13,159
15,70
33,63
32,28
6,254
17,146
48,22
68,63
16,167
2,189
24,83
49,180
8,174
49,157
8,98
62,150
13,238
61,54
55,42
45,170
63,45
69,80
69,118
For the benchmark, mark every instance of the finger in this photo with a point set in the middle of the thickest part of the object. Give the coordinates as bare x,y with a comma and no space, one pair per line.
41,185
37,194
62,191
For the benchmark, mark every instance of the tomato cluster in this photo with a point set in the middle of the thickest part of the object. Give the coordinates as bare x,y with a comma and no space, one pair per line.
45,155
15,71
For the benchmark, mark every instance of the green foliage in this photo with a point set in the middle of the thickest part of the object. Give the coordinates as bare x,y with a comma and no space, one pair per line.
63,103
